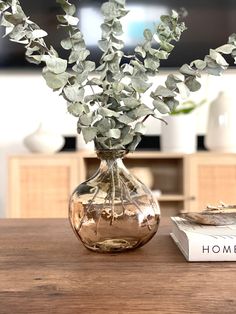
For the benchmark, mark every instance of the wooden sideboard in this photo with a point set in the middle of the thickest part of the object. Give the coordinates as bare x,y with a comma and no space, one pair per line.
40,185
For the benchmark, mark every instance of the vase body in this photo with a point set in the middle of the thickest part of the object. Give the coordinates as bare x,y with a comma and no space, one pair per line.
179,135
221,127
113,211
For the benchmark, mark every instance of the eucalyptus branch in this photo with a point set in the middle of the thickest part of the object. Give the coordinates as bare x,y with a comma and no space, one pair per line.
213,64
75,42
168,31
110,44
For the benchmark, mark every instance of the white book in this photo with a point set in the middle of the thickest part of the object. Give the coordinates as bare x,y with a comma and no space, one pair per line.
204,243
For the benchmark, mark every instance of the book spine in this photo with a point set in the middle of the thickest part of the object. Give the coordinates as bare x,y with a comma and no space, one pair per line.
213,249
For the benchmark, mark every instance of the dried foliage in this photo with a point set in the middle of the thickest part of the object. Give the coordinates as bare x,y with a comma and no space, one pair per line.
113,112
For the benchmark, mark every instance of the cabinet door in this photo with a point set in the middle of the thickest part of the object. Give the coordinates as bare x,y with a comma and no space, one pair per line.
39,187
211,179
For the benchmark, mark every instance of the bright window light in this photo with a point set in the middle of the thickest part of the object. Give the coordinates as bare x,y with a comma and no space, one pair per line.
134,23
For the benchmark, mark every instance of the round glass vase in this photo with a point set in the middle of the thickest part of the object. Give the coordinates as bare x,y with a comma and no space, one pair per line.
113,211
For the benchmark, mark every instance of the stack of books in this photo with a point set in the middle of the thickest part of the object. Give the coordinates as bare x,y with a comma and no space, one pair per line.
204,243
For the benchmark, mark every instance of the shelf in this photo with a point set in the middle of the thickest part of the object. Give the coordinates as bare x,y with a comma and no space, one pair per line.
170,198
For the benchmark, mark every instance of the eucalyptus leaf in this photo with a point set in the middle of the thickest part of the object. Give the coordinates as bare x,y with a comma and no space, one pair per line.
218,57
109,57
161,106
141,51
171,102
138,67
171,82
213,68
83,54
109,10
36,59
151,64
232,39
140,128
74,93
105,112
164,92
187,70
93,98
131,102
135,142
140,85
14,19
76,109
121,2
117,28
216,71
95,81
89,66
113,133
141,111
183,90
69,8
106,29
3,6
103,125
103,45
55,81
17,33
199,64
89,133
168,47
38,33
71,20
54,64
86,119
125,119
192,84
67,43
74,56
148,34
226,49
127,139
117,87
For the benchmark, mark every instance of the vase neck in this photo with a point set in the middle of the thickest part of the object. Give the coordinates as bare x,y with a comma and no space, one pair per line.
111,158
111,154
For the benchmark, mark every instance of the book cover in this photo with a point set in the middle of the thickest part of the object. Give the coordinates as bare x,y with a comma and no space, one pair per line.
204,243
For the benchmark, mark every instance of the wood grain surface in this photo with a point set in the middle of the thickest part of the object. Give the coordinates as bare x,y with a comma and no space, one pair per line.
45,269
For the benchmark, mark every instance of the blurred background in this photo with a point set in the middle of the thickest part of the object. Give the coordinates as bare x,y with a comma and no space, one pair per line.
26,101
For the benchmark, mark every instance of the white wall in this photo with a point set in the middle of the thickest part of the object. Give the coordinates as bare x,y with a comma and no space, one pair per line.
25,101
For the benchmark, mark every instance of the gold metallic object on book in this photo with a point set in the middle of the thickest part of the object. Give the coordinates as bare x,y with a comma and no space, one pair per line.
214,215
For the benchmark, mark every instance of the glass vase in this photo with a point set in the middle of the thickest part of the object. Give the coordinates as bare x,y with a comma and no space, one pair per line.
113,211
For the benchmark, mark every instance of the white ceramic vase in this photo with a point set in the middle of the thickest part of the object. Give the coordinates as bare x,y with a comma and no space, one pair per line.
44,141
221,127
179,136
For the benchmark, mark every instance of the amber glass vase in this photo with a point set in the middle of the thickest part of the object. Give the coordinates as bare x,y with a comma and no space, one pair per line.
113,211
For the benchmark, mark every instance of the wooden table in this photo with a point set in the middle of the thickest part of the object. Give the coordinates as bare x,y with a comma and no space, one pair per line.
45,269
